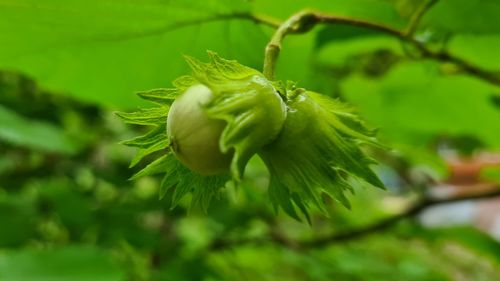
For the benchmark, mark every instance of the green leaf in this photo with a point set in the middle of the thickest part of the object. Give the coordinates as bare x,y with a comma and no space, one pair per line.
280,197
340,33
35,134
100,51
156,167
17,212
339,53
416,103
469,236
490,174
184,82
478,50
172,176
148,116
477,17
156,135
185,185
143,152
76,263
296,57
160,96
179,181
302,207
381,11
407,8
210,189
219,72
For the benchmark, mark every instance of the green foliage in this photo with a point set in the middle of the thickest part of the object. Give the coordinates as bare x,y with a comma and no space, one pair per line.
448,17
98,51
371,259
379,10
468,237
34,134
491,174
16,213
72,263
68,212
422,89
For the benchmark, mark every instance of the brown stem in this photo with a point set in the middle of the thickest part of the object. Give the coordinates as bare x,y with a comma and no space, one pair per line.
305,20
354,233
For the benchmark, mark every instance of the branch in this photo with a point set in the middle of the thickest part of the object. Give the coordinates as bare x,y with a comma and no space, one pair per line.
355,233
492,77
388,222
305,21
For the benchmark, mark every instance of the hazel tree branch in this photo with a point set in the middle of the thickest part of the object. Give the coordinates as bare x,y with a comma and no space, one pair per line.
388,222
305,20
353,234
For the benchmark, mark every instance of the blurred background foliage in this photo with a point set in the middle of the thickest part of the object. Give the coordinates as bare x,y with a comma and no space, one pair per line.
68,212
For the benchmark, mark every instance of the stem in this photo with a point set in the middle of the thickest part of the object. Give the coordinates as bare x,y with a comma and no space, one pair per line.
383,224
305,20
352,234
273,48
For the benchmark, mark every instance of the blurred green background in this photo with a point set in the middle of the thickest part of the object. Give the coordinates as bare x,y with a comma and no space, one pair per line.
68,212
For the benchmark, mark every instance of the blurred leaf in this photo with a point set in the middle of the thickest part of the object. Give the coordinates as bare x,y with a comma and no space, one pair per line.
147,116
337,53
341,32
103,51
34,134
74,211
378,10
297,56
6,164
463,16
77,263
490,174
477,49
161,96
406,8
415,104
367,260
17,217
473,238
495,101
